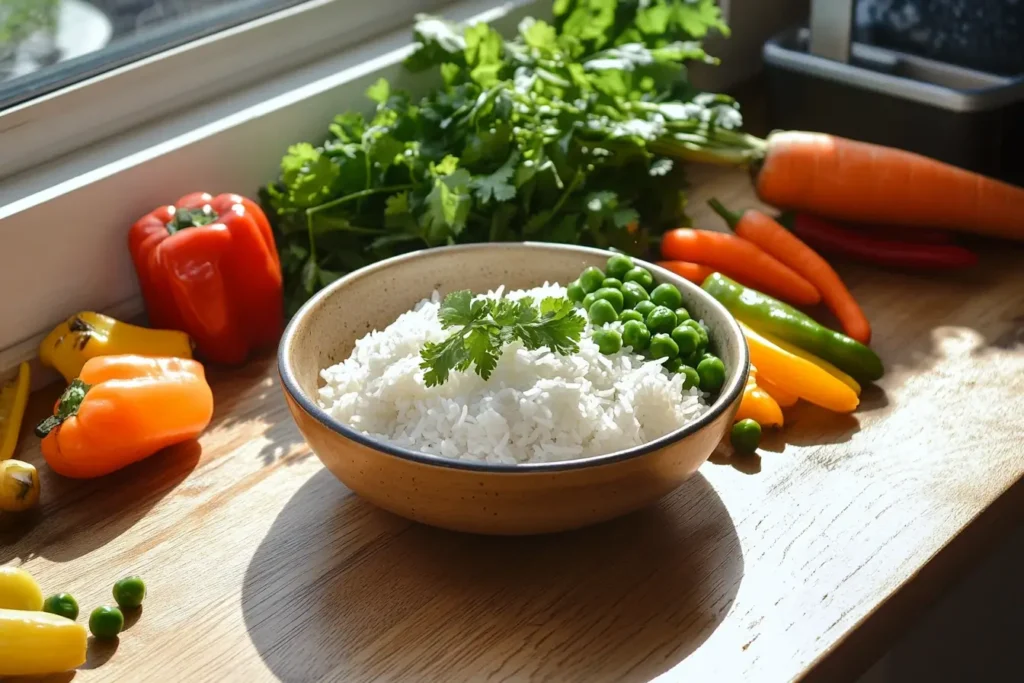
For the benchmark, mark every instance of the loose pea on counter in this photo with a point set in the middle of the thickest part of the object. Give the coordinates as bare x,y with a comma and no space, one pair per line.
106,622
129,592
62,604
745,436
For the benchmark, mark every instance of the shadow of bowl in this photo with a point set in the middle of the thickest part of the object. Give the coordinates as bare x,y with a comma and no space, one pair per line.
386,599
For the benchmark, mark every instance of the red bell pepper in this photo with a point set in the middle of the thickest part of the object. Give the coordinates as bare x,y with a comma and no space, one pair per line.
208,266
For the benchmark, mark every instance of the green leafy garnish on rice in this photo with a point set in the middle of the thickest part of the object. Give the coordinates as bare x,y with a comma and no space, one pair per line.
487,325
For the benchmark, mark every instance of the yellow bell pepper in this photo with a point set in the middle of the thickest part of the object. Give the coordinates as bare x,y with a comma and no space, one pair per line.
785,399
13,399
791,372
88,335
18,590
757,405
19,486
39,643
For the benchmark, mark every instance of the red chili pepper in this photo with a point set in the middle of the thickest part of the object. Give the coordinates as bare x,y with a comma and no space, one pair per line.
208,266
827,237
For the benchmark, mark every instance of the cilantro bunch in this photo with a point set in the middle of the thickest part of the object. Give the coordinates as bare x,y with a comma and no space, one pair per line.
487,325
571,132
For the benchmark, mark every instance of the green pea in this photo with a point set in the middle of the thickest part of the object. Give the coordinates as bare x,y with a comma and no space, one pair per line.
661,319
644,307
674,365
641,276
745,436
591,279
62,604
613,296
682,315
619,265
611,282
667,295
636,335
575,291
634,293
129,592
690,377
608,341
687,338
106,622
693,360
601,312
662,346
701,331
630,314
588,301
712,374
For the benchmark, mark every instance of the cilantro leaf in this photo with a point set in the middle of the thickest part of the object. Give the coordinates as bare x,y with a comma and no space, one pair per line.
379,91
487,325
496,185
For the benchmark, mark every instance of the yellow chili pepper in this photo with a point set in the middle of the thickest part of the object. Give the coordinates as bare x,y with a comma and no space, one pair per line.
823,364
799,375
13,398
784,398
88,335
39,643
757,405
18,590
19,486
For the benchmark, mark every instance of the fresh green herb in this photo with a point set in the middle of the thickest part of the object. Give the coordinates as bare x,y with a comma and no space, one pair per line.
571,132
487,325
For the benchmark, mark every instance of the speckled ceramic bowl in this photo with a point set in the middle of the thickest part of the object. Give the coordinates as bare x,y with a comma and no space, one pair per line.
477,497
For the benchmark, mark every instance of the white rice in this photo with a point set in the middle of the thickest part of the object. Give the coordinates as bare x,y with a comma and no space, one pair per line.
537,406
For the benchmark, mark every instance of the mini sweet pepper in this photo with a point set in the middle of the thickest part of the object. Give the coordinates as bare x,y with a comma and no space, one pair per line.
122,409
88,335
36,643
208,266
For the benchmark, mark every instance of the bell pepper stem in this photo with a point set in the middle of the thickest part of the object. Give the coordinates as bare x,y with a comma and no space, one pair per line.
70,402
730,217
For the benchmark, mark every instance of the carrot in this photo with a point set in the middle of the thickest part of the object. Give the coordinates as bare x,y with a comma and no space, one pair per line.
855,181
766,233
732,254
694,272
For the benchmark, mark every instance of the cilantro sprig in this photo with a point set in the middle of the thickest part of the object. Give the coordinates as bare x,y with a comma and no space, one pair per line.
572,131
485,326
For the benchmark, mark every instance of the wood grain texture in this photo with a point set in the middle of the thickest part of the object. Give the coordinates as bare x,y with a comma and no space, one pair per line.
805,561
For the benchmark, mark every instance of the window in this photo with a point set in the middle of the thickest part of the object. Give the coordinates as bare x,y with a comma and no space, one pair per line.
76,72
49,44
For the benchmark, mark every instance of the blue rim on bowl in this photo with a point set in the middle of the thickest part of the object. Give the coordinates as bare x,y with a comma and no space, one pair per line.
725,398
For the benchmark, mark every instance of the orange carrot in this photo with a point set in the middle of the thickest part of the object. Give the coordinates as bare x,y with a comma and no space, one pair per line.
766,233
855,181
732,254
694,272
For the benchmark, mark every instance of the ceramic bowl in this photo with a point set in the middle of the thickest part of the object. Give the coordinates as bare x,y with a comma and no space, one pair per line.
479,497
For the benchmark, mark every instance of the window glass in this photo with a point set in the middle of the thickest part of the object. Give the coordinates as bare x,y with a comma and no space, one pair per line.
49,44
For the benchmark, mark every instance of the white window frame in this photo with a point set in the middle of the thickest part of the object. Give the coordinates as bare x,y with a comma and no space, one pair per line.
57,123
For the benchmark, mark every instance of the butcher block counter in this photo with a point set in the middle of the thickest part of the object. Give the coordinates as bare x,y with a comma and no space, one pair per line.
805,561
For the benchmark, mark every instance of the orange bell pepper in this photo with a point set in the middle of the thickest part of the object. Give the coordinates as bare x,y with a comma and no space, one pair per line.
757,405
122,409
807,380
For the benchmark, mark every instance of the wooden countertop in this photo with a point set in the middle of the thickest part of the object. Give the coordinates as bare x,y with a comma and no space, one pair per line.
808,560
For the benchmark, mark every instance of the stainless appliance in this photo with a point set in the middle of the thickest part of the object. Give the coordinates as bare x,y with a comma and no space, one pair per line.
825,77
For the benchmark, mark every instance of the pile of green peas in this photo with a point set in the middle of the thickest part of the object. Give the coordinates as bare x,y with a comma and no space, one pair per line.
654,321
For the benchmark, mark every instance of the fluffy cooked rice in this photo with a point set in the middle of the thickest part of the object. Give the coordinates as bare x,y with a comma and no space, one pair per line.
537,406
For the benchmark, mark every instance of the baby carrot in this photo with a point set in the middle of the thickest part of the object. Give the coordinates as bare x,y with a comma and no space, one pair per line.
807,379
766,233
732,254
694,272
855,181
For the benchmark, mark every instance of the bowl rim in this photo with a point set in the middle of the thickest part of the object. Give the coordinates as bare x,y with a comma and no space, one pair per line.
291,385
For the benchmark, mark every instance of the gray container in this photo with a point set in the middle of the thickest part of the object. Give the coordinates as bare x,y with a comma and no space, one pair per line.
820,80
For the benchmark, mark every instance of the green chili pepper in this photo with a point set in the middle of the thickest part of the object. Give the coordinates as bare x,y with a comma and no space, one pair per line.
765,314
